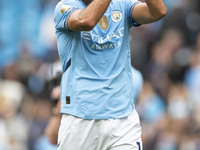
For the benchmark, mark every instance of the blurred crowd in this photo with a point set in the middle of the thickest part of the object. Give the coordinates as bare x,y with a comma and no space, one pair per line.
167,53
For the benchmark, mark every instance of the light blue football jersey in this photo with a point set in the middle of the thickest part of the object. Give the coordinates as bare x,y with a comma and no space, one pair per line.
97,78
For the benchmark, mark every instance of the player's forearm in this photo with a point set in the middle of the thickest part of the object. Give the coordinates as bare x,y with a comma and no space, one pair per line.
149,12
89,17
156,8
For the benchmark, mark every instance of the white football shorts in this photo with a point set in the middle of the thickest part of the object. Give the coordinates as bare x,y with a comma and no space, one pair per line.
112,134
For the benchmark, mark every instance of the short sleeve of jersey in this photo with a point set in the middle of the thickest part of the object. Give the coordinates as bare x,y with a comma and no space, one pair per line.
62,13
130,4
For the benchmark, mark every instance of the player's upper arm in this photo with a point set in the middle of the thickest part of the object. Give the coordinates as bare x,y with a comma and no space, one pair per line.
142,14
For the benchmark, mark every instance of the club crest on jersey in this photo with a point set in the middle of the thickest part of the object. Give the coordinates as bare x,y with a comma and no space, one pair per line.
116,16
103,23
64,8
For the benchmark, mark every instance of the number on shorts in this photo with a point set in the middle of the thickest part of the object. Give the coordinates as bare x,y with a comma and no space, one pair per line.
138,143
